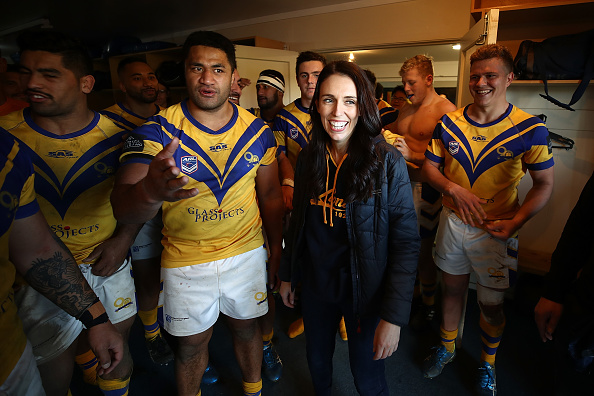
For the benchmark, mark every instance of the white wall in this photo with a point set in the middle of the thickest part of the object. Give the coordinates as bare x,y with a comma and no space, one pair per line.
446,73
572,168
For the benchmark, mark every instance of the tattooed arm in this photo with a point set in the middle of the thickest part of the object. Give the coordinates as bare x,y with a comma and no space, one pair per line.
48,266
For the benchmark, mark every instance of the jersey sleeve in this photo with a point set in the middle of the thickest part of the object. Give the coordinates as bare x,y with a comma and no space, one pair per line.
540,154
279,129
144,143
28,205
270,145
435,150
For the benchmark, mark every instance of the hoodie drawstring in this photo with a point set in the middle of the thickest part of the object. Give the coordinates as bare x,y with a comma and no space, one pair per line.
333,186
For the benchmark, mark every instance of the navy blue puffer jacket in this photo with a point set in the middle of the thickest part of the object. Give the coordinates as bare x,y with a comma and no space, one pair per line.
383,239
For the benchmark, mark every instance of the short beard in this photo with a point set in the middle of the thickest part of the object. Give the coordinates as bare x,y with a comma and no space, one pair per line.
142,98
270,104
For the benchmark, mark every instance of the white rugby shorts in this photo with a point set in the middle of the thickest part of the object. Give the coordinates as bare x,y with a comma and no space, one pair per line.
194,295
116,292
148,241
461,248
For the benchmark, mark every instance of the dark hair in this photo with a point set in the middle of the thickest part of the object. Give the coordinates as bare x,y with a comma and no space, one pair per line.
490,51
129,60
75,56
213,40
308,56
371,77
379,91
12,68
397,89
362,162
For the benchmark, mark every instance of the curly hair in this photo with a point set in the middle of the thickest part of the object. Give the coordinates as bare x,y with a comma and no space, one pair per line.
423,63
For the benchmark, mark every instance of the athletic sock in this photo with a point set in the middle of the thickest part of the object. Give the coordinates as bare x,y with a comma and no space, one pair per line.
428,292
490,337
267,338
88,363
448,338
252,388
342,330
114,387
296,328
149,321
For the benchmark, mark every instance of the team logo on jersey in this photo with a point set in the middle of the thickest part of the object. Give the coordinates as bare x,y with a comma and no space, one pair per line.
251,159
104,169
453,147
189,164
219,147
479,138
293,133
133,142
504,153
549,144
9,201
61,154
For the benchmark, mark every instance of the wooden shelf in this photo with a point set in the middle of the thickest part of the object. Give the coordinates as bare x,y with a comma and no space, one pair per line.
528,12
504,5
539,82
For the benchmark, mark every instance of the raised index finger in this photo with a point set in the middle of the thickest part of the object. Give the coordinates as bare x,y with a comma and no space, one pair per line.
169,150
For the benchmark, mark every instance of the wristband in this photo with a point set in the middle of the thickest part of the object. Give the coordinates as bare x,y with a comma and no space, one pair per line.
94,314
288,183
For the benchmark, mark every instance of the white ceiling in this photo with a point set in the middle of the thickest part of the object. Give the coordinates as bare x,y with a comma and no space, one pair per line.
96,21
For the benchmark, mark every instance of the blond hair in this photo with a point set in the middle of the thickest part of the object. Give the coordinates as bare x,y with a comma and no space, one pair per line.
423,63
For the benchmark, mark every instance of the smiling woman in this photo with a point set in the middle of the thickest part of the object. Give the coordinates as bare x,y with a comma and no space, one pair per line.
352,240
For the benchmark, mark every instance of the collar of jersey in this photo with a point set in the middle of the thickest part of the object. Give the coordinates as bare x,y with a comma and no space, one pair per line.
474,123
300,106
229,125
37,128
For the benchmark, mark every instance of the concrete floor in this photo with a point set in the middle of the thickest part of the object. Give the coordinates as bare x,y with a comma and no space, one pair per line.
525,366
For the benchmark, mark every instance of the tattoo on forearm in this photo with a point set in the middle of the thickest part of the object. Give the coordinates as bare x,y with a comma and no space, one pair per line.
59,279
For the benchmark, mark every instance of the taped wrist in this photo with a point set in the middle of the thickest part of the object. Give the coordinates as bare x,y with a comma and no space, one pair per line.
94,314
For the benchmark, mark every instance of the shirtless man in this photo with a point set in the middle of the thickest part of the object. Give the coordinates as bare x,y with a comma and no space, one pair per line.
416,123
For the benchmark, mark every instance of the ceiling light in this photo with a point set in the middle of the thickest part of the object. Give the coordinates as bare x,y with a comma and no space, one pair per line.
456,47
351,57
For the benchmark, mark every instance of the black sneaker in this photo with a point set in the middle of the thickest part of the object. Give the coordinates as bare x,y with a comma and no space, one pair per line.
159,350
422,319
272,367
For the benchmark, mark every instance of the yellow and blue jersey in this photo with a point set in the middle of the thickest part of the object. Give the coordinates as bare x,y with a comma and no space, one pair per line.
489,159
388,114
223,220
256,111
123,117
74,177
292,127
18,201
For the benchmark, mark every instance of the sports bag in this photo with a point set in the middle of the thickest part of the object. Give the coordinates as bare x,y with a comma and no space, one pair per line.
568,57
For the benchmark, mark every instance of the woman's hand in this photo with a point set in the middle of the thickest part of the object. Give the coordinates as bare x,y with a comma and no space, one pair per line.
385,341
287,294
